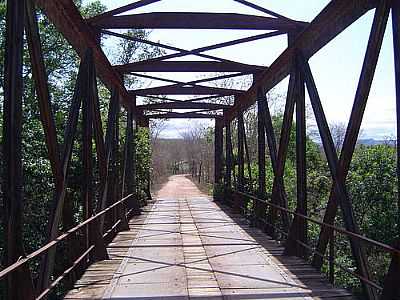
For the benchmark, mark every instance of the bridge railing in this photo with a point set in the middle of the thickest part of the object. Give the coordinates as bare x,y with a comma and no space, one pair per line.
240,203
23,261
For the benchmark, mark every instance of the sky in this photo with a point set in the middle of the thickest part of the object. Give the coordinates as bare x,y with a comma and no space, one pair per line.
336,67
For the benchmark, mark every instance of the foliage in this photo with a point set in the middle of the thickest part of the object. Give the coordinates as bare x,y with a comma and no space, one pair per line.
143,162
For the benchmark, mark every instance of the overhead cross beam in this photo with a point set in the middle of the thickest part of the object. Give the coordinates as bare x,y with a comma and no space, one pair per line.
122,9
184,90
181,51
183,105
195,20
69,22
189,115
187,66
198,51
334,18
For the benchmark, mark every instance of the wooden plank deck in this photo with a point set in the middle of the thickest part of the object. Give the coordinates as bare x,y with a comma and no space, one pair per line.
187,247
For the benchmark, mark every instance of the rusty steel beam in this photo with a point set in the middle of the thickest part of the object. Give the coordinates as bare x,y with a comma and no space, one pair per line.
92,128
128,177
111,120
334,18
182,52
339,183
356,117
228,161
186,66
183,105
215,46
262,9
218,150
298,228
260,208
194,20
183,90
69,22
122,9
247,153
240,152
190,115
12,153
396,52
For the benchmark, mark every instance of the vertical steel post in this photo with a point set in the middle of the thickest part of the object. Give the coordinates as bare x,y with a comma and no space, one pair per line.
298,229
339,184
218,156
396,50
356,117
129,168
87,155
228,154
240,153
261,208
391,287
19,283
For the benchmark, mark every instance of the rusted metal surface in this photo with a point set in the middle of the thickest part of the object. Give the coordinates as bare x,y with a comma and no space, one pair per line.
183,105
122,9
333,162
260,210
336,17
278,155
129,182
183,90
356,117
194,20
68,21
218,150
187,66
298,228
12,152
84,35
240,152
181,52
188,115
228,161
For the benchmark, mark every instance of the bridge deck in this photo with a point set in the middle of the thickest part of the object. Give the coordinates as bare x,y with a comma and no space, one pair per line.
187,247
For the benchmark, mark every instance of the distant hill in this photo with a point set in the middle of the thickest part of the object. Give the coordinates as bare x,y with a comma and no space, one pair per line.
372,142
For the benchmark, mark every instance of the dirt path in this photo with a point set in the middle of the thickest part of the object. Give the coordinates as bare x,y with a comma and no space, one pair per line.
179,187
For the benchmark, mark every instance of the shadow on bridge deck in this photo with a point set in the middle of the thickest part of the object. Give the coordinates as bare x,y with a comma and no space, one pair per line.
186,247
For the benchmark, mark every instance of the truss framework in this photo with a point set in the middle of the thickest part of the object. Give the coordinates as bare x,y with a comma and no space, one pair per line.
305,39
